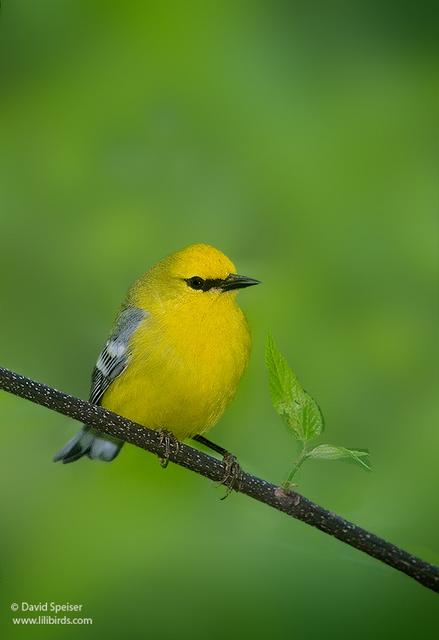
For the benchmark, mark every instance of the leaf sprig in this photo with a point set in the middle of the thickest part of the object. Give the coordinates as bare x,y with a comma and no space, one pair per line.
302,415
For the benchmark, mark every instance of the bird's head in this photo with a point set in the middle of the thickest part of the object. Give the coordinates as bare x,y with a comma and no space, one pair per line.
198,272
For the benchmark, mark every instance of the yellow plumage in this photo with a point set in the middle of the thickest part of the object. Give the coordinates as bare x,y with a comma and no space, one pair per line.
178,349
189,354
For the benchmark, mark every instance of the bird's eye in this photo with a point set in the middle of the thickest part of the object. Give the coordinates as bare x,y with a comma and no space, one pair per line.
195,282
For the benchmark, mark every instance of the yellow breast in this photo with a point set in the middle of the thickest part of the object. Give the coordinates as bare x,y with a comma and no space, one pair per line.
184,366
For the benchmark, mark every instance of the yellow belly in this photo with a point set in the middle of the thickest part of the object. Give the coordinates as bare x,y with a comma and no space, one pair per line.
183,370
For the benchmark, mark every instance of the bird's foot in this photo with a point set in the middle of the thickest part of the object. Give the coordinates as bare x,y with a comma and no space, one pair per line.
169,440
232,474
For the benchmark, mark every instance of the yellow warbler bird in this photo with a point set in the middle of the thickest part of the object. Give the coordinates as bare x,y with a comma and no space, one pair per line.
178,349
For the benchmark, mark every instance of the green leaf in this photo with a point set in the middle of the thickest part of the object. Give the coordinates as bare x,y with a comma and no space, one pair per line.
299,410
330,452
281,378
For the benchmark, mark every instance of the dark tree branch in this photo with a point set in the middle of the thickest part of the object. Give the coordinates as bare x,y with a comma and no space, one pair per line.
293,504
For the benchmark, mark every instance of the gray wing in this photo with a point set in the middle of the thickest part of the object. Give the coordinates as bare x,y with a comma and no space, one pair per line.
114,357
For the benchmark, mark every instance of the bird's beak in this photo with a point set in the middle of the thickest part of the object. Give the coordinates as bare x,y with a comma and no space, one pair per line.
233,281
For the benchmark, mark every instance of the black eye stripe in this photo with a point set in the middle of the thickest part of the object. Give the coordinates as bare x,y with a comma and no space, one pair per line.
201,284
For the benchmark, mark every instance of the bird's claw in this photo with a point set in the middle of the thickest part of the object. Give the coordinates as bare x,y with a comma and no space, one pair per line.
232,474
169,440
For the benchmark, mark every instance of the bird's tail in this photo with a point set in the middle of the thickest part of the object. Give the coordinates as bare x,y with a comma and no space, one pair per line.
87,442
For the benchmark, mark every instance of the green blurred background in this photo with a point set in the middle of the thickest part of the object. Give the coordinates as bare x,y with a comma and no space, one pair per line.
302,141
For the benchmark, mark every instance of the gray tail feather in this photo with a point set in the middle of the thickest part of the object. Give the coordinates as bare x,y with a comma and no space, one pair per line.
87,442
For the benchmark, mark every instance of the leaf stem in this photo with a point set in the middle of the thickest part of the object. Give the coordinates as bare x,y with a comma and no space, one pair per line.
289,484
